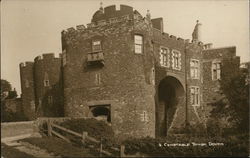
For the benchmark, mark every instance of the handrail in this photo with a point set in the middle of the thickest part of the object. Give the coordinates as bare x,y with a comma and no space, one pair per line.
84,136
67,130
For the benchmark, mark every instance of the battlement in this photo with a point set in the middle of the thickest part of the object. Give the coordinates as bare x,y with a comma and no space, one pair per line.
46,56
26,64
111,12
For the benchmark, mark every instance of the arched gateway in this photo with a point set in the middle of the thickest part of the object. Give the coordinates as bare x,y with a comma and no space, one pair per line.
170,97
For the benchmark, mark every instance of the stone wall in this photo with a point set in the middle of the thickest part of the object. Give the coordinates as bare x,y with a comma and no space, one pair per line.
49,98
126,81
28,87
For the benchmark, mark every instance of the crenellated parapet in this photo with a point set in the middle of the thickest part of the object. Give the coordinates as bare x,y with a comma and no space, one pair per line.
26,64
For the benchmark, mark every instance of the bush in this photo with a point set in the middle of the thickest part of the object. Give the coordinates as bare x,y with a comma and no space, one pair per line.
100,130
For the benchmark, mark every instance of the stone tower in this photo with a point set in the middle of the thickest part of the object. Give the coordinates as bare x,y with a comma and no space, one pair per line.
109,70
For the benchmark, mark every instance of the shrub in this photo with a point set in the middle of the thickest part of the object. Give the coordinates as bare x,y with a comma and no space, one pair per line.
100,130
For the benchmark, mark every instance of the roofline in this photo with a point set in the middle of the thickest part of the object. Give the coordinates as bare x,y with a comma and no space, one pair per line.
220,48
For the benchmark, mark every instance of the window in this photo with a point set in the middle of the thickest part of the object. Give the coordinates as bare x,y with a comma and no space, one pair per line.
138,44
144,116
164,57
27,83
50,100
194,69
176,60
216,70
46,83
98,79
195,96
96,46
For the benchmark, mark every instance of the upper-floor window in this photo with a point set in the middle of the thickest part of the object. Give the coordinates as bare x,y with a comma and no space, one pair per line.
96,46
46,83
97,78
216,70
144,116
194,68
138,44
176,60
164,57
195,95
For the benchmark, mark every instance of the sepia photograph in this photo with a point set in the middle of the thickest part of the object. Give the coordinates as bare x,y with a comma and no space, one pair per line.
124,78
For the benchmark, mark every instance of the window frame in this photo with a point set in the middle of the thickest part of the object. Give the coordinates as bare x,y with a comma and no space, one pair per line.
94,50
216,70
193,68
195,98
166,55
139,44
177,61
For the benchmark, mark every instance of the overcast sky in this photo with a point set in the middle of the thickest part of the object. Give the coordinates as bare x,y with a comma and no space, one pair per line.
30,28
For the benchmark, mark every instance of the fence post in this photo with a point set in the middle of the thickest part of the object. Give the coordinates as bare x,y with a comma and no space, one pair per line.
122,149
84,135
101,148
49,128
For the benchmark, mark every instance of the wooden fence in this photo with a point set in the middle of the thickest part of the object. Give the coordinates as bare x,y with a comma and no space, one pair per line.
84,136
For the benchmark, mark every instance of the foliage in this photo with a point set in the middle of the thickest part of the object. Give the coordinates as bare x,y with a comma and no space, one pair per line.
10,116
235,104
5,86
99,130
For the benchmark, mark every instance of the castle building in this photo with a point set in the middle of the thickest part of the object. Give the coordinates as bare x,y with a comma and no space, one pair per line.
125,67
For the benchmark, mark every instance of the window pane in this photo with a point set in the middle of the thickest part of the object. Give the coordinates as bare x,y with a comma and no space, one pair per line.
138,49
138,39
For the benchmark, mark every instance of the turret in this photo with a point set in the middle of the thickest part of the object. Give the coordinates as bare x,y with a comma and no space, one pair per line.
196,35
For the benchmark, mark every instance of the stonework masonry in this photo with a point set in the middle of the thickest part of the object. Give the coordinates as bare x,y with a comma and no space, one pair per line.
123,66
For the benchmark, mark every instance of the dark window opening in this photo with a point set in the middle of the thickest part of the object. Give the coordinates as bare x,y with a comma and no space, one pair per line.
101,112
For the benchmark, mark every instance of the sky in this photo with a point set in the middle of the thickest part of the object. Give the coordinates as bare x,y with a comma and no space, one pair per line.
30,28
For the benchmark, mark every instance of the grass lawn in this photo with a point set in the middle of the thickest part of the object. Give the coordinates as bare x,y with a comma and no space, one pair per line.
11,152
58,147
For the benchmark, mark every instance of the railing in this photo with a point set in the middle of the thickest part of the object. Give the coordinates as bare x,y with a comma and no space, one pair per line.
84,136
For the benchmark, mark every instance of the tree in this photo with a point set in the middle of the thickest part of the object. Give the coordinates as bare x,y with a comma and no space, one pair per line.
235,103
5,86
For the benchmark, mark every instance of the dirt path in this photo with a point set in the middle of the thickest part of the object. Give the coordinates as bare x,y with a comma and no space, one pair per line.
24,147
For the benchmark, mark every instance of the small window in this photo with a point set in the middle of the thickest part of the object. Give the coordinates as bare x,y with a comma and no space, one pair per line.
96,46
216,70
164,57
98,79
138,44
46,83
176,60
50,100
194,69
195,95
144,116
